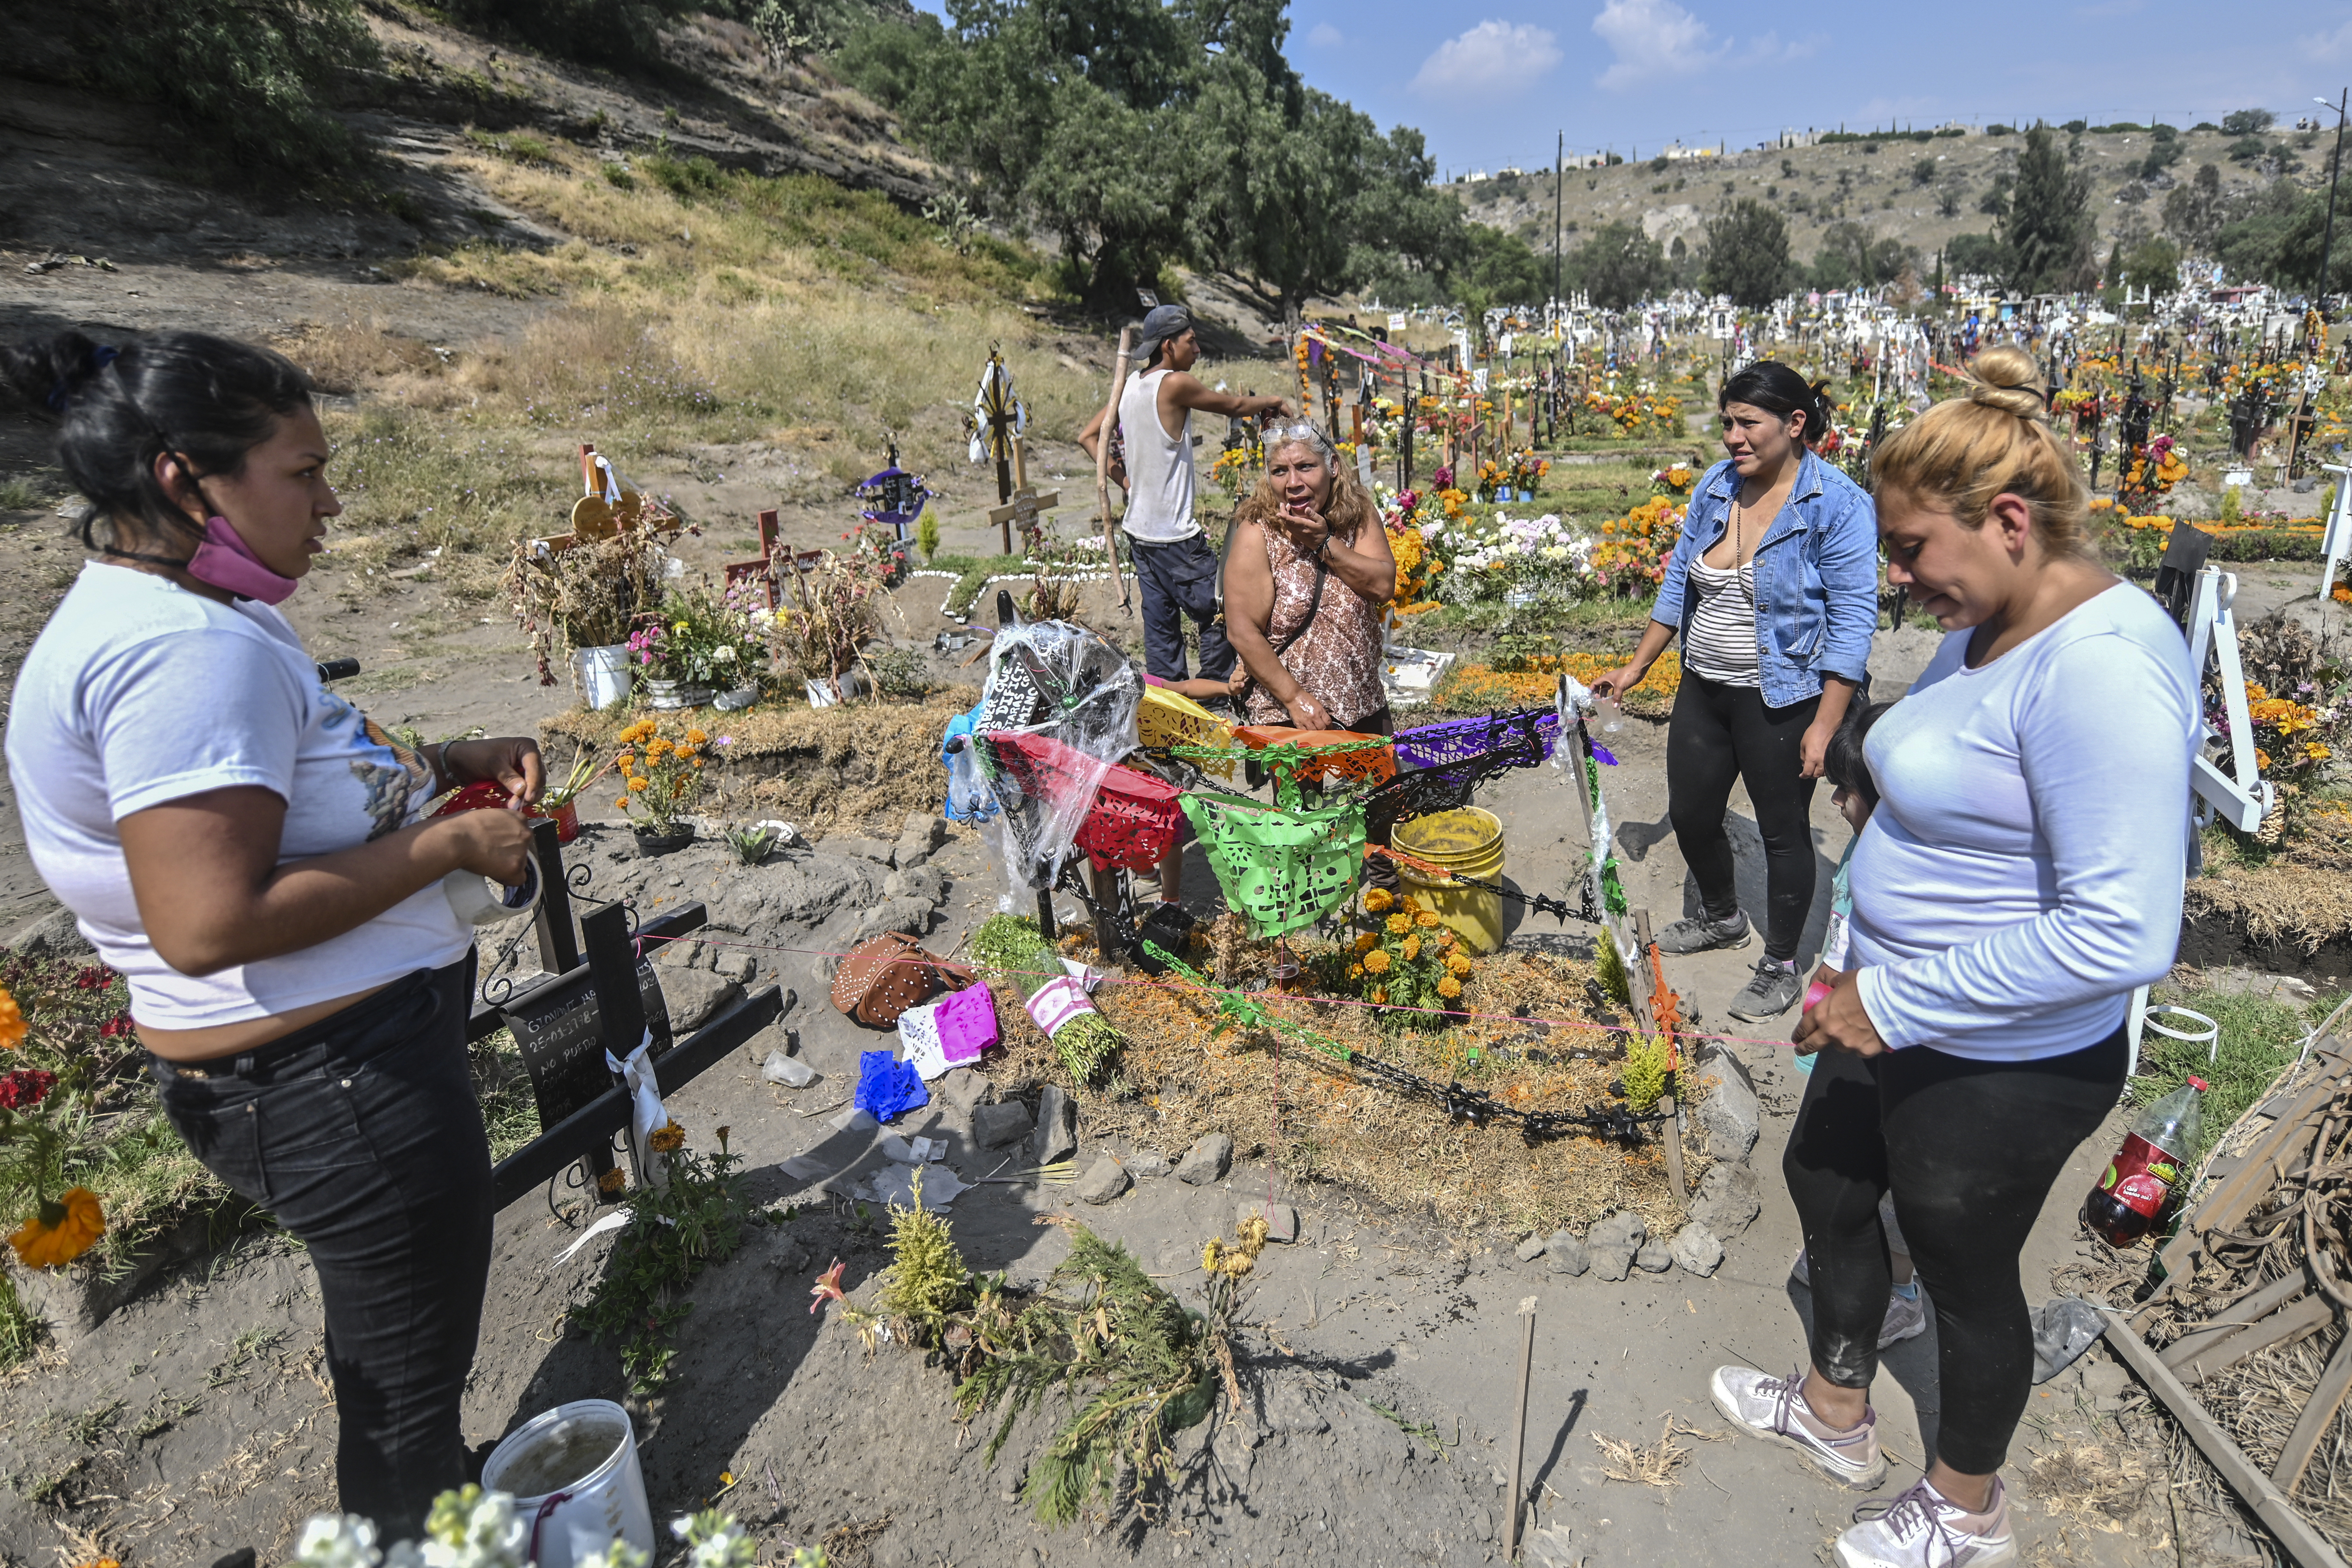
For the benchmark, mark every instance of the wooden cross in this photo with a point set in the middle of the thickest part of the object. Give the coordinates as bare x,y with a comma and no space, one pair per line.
1002,417
593,518
763,569
1023,505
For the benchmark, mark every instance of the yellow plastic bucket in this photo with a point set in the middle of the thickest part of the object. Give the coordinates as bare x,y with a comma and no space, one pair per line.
1469,843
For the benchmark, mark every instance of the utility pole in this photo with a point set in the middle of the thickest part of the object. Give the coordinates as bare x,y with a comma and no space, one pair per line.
1558,185
2327,233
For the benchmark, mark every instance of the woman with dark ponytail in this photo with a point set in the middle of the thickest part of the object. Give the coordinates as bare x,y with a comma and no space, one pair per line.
249,852
1773,587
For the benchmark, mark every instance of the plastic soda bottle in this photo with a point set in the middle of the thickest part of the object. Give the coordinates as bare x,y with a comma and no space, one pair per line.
2140,1178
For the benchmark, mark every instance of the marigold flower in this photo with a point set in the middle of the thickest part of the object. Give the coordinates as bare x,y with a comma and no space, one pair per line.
1381,994
1377,899
1457,964
1366,941
1210,1254
12,1022
621,803
696,738
61,1230
1398,925
1355,971
1376,961
1449,988
1424,920
667,1140
639,783
1410,948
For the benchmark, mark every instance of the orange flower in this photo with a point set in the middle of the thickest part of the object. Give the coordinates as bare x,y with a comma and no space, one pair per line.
1424,920
12,1022
1376,961
1381,994
61,1230
1398,925
621,803
1366,941
1410,948
1377,899
667,1140
1449,988
613,1181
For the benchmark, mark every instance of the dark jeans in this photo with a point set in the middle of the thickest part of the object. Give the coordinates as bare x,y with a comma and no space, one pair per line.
361,1135
1970,1150
1178,580
1721,733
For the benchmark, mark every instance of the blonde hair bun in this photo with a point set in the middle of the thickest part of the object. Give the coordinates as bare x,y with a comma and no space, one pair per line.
2007,378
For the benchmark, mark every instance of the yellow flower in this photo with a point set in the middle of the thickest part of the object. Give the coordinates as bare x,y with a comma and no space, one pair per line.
613,1181
667,1140
61,1230
1366,941
12,1022
1377,899
1355,971
1410,948
2261,758
1449,988
696,738
1380,994
1457,964
1210,1254
1376,961
621,803
639,783
1424,920
1398,925
680,627
2313,752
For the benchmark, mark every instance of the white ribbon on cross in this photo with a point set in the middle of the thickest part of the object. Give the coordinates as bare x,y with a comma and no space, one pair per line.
646,1112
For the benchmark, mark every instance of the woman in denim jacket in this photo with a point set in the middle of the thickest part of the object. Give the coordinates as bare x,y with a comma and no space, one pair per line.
1774,589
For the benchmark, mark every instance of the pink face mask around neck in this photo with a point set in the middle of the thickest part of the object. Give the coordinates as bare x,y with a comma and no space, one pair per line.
224,561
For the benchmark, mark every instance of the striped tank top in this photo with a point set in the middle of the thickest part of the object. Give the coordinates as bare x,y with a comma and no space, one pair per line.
1719,644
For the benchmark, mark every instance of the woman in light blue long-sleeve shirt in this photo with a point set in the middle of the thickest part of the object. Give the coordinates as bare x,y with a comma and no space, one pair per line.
1773,587
2021,877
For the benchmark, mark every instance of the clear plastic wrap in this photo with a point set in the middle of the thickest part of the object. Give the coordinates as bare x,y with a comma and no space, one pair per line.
1061,683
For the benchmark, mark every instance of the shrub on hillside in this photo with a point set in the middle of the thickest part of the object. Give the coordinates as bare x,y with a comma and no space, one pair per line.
243,80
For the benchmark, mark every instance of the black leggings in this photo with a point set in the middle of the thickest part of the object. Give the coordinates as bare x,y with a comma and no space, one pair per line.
1971,1150
1721,733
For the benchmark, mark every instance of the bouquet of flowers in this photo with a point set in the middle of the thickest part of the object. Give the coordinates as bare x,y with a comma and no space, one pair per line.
1408,958
663,776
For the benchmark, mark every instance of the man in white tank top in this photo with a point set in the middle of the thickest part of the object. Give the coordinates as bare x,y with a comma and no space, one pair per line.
1173,562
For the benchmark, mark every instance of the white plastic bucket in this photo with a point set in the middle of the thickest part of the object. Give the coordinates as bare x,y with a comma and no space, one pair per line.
574,1475
602,675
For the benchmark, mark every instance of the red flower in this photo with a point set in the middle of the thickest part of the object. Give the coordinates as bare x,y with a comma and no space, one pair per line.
25,1088
828,1287
117,1026
94,977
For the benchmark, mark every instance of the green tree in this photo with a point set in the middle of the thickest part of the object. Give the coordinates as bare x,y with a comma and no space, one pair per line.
2154,264
1748,254
2193,210
2246,121
2048,235
1618,265
1978,254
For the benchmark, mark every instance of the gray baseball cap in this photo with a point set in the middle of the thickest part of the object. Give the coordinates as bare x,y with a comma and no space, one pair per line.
1161,323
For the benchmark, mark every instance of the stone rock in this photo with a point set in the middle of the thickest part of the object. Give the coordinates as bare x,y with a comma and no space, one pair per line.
1612,1263
1105,1180
920,881
1728,1113
684,954
789,1071
1624,1228
1207,1161
964,1089
1291,1409
1695,1250
695,997
2282,988
1564,1254
1281,1219
1057,1126
909,853
994,1126
863,848
1728,1203
1531,1249
1144,1162
1655,1258
737,964
54,935
912,916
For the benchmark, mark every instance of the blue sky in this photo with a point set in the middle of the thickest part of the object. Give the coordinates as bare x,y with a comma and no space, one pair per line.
1491,83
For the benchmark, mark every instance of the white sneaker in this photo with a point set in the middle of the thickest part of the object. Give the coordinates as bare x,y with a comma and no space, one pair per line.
1924,1528
1774,1408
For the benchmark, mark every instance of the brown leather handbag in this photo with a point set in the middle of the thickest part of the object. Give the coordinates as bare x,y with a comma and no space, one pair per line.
885,975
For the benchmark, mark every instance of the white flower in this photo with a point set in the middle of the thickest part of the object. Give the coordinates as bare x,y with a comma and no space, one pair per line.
338,1541
714,1540
724,652
620,1554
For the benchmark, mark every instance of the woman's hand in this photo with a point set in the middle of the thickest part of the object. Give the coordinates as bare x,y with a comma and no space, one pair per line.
1308,529
1815,748
1618,681
493,844
1840,1019
1309,714
513,763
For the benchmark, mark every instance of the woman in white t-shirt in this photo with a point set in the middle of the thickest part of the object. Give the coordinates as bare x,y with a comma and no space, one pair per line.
246,850
2020,875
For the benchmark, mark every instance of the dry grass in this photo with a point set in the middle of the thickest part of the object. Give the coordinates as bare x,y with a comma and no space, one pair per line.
2301,892
854,769
1174,1080
1657,1465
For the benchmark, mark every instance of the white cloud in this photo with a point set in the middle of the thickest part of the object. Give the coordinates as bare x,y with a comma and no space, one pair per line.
1493,58
2335,45
1324,35
1653,39
1768,48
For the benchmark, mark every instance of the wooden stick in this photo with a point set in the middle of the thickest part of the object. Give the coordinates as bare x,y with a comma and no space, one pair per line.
2326,1398
2305,1544
1519,1431
1102,458
2247,1310
2295,1321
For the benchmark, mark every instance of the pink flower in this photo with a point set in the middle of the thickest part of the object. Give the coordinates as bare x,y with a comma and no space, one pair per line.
828,1284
